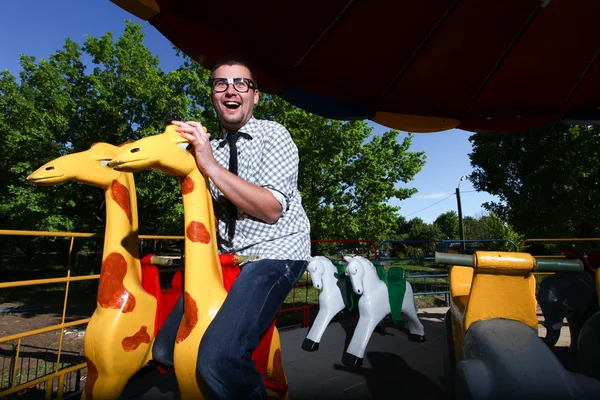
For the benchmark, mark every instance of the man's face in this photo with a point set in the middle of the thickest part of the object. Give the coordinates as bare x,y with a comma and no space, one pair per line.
234,108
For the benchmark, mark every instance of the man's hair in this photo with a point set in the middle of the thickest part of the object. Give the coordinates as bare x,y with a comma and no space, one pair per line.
234,60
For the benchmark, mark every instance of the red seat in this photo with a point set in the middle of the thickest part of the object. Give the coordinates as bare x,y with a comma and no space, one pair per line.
166,300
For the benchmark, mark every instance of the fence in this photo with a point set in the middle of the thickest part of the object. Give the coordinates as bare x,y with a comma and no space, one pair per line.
68,265
423,250
74,269
35,362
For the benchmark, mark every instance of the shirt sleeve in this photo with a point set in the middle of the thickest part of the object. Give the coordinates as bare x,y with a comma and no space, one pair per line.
279,170
280,198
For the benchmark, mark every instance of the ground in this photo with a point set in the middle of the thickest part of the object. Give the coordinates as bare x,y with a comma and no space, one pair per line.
38,354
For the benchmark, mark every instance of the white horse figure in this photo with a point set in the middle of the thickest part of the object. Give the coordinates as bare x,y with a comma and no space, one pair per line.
373,306
331,301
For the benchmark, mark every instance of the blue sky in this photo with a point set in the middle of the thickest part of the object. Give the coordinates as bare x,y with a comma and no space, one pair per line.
39,28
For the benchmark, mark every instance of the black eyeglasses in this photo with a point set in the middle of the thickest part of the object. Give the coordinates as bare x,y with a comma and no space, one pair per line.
241,85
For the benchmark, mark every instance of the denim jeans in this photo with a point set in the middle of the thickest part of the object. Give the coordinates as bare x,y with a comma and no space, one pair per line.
224,356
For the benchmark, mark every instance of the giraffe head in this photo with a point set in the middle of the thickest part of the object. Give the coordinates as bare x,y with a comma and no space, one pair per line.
167,152
89,167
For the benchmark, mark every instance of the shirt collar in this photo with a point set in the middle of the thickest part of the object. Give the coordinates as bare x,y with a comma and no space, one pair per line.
247,128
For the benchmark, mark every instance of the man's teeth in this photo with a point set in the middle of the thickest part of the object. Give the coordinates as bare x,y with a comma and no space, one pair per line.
231,104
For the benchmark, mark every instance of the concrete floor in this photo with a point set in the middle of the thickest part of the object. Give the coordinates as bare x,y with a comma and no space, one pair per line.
393,367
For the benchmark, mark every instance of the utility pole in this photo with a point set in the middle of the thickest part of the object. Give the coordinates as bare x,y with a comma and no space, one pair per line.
461,226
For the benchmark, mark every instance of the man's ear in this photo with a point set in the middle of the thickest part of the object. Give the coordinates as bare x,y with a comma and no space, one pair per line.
256,96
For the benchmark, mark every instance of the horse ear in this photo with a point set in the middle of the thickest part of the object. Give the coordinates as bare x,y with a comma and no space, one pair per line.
348,258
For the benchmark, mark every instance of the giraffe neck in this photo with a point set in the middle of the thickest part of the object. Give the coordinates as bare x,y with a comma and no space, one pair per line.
201,254
121,233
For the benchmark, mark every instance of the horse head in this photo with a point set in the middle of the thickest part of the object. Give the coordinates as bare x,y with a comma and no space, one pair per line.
355,269
316,270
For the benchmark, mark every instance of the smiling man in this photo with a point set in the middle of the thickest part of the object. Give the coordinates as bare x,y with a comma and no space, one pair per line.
253,170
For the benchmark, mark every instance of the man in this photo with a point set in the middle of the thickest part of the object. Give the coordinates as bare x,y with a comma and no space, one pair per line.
267,220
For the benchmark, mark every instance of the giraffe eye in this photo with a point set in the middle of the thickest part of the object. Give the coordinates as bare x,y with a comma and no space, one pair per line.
185,146
104,163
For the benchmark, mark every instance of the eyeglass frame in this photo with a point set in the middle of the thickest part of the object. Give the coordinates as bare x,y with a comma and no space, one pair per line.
231,81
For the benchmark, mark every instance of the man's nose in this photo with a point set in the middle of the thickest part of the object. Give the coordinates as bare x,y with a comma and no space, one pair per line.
230,90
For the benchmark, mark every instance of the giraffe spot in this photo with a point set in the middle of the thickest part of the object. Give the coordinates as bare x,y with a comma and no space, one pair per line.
187,185
111,291
190,317
278,375
131,343
92,377
120,194
196,231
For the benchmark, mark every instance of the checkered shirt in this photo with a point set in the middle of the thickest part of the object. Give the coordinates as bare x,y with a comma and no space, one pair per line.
269,160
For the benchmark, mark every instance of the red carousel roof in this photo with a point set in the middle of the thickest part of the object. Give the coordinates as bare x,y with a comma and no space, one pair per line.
421,66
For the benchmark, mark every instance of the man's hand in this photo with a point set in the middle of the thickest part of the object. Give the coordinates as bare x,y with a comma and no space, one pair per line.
197,135
251,199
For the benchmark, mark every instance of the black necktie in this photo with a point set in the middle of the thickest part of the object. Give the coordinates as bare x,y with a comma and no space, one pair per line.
233,168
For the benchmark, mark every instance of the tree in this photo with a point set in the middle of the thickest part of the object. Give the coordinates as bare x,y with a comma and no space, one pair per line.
488,227
64,105
419,230
448,224
60,107
345,178
547,179
401,227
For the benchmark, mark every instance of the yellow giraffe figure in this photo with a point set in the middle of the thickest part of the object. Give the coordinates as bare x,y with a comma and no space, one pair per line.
203,288
119,336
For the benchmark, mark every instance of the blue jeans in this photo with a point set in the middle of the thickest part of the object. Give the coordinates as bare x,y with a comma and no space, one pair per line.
224,356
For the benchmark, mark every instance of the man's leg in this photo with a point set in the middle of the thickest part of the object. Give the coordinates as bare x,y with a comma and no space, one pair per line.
224,358
164,344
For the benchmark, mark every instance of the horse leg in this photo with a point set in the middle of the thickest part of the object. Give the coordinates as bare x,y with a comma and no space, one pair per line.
353,356
312,340
553,321
575,322
415,327
372,309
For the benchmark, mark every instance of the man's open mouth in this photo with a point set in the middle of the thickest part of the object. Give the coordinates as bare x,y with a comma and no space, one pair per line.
232,105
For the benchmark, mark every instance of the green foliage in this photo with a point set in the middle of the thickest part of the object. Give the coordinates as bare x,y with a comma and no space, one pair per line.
489,227
120,94
61,106
547,179
346,176
448,224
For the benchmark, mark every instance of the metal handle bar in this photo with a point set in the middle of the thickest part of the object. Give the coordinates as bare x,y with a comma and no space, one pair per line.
542,264
161,261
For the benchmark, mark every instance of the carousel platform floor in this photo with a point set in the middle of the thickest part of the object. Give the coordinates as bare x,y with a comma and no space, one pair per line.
393,367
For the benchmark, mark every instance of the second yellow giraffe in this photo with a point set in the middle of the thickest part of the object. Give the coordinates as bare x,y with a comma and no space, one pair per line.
203,288
119,336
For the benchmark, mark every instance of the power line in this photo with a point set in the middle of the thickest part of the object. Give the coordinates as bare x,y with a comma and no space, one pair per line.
431,205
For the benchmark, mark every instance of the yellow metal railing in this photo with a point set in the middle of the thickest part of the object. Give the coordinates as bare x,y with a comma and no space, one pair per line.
48,380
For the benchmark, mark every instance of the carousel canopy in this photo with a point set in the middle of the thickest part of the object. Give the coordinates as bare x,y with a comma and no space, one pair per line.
422,66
